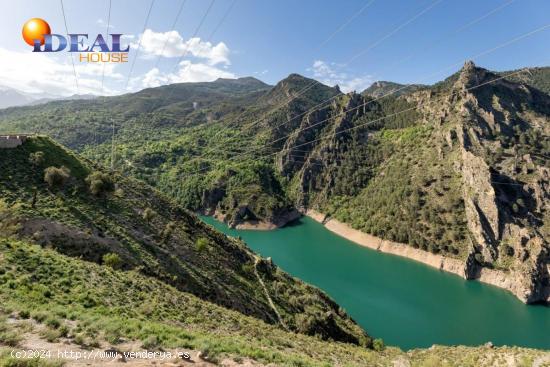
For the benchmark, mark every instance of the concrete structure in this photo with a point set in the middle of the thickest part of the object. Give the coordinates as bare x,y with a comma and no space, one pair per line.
12,141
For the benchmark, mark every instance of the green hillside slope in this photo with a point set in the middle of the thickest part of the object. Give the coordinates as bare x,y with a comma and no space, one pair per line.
84,212
150,113
50,298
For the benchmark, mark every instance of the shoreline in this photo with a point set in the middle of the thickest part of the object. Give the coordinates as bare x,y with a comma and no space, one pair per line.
493,277
255,224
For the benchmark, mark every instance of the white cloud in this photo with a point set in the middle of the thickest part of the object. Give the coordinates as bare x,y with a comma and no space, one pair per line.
187,72
331,74
171,44
51,74
103,23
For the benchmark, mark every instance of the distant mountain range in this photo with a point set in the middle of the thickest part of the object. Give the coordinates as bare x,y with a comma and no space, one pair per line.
10,97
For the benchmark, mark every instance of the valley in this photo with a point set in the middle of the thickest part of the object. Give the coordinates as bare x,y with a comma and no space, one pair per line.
457,171
405,303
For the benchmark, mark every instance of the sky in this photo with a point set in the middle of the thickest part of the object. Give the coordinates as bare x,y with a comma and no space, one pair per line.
346,42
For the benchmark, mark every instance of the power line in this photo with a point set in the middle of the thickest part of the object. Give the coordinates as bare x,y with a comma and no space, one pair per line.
222,20
195,33
187,48
368,123
171,92
314,82
403,87
72,60
172,28
108,26
103,70
346,23
388,35
398,113
113,146
456,31
139,44
311,85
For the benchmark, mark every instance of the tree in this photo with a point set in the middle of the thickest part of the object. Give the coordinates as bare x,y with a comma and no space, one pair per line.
100,183
378,345
36,158
113,260
202,243
168,230
56,177
148,214
9,223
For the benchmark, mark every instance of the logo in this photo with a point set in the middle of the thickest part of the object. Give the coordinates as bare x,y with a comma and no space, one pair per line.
37,33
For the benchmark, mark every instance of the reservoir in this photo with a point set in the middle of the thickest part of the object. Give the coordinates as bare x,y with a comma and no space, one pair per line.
406,303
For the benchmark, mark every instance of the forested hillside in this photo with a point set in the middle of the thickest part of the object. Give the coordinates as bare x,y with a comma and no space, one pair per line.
459,168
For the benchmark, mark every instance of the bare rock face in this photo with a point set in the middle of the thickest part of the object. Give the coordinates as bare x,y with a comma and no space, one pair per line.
470,75
538,271
504,213
541,189
481,208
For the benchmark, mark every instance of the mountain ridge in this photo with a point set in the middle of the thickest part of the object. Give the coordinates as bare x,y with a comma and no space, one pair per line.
425,145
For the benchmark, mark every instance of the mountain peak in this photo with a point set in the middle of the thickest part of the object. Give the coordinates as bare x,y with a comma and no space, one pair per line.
293,80
470,75
299,86
241,80
468,66
381,88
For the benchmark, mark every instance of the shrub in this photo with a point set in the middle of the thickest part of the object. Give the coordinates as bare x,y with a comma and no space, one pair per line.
40,316
151,342
36,158
100,183
201,244
24,314
113,336
56,177
247,268
9,224
304,322
378,345
79,339
51,335
64,330
148,214
168,230
113,260
208,352
10,338
53,323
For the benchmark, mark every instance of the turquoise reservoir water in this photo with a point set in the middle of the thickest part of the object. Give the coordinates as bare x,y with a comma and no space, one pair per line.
406,303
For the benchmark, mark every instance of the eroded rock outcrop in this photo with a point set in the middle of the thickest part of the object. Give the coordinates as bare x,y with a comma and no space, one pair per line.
504,214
